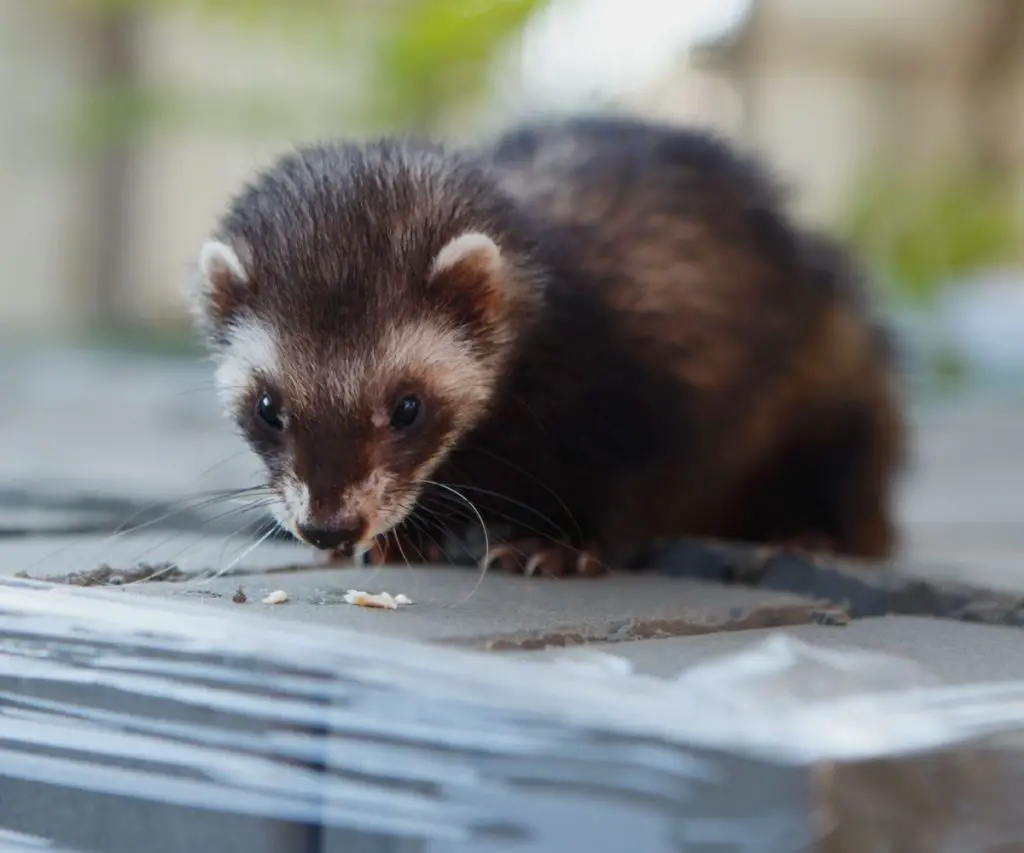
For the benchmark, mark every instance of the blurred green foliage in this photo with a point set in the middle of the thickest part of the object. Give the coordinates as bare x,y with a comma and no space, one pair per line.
437,52
919,231
417,60
376,66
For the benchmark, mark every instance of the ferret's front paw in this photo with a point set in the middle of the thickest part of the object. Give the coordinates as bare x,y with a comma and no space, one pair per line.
400,549
533,556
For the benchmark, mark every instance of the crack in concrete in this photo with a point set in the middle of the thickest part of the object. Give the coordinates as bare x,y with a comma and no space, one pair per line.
628,630
863,590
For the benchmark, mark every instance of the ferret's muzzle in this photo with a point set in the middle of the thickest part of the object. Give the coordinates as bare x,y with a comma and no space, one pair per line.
342,539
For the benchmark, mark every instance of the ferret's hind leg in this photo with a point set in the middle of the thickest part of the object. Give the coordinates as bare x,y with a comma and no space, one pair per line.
833,495
863,524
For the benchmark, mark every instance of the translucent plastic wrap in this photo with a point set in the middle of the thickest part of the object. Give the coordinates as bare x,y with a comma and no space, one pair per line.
130,724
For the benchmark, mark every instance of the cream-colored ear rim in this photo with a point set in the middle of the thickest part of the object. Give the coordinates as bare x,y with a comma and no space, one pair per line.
218,259
473,246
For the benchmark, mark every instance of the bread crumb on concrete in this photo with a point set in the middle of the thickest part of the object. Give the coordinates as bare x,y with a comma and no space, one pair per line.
278,596
380,600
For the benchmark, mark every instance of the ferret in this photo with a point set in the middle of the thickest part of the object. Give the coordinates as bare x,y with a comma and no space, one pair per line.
600,332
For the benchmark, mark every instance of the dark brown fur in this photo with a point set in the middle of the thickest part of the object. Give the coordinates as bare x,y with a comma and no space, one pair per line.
669,354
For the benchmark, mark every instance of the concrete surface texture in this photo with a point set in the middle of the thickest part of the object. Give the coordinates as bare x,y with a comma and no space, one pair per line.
456,605
954,654
314,724
141,430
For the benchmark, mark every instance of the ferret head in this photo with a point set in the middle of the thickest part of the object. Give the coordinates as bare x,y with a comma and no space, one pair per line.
361,303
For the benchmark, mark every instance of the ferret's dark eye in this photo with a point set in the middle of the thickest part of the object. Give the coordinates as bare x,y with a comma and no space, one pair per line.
269,412
406,413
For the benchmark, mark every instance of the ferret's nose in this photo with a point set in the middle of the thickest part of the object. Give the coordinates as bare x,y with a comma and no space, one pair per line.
341,538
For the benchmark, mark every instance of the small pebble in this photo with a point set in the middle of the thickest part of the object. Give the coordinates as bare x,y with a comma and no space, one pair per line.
239,597
278,596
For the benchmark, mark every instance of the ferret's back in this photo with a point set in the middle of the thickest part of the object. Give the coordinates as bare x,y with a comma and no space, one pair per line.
682,236
602,171
766,328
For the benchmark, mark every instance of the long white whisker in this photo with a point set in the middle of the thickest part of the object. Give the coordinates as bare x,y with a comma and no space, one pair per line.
519,468
200,536
401,550
246,528
524,506
423,529
516,522
197,502
483,529
152,576
245,553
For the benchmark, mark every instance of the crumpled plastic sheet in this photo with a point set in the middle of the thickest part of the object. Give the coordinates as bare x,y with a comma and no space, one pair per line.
780,747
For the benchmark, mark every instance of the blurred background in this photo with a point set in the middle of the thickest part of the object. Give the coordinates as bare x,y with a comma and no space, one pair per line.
127,123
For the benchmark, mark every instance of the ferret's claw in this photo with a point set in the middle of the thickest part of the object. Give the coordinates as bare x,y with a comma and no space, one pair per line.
508,557
531,557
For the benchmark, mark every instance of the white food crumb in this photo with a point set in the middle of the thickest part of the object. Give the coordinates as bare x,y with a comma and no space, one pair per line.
278,596
382,600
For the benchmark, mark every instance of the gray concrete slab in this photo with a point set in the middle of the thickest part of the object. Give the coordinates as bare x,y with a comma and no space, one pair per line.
434,750
955,652
500,610
162,436
962,505
28,520
119,424
192,552
965,465
984,553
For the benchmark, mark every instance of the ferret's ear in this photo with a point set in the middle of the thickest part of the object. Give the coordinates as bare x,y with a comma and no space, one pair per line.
221,284
467,276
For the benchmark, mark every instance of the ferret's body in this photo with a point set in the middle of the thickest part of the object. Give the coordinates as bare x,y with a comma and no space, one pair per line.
644,346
